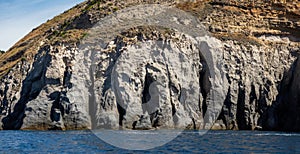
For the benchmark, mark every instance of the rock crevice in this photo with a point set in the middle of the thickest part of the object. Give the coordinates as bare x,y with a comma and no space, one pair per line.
150,76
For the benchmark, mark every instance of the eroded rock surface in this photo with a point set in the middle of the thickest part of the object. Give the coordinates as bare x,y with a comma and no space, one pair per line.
49,80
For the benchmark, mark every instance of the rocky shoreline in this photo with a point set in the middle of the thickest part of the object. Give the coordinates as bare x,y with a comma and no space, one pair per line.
53,79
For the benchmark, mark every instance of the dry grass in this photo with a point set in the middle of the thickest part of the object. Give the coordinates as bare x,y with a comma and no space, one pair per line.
198,8
68,36
29,45
239,37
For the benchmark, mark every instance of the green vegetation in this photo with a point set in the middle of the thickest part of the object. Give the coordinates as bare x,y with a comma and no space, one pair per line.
84,35
2,51
91,4
23,59
66,24
115,9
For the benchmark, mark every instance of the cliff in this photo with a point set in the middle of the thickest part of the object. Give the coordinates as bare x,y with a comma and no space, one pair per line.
145,76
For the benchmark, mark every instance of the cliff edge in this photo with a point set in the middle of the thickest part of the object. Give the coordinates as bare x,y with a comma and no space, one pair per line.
51,79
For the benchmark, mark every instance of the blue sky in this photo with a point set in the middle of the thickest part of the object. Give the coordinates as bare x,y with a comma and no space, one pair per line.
19,17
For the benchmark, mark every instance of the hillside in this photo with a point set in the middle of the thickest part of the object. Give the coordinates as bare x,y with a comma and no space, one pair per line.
51,79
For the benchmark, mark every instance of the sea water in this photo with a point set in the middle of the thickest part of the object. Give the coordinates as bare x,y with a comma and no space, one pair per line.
186,142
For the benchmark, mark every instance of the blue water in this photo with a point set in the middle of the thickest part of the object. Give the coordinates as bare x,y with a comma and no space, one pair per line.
187,142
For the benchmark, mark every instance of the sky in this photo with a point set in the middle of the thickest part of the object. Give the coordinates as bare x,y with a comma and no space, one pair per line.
19,17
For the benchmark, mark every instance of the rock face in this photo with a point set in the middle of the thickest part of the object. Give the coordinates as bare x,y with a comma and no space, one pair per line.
157,76
285,110
150,83
254,76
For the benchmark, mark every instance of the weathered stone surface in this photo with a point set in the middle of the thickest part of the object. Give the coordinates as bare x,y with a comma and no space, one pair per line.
254,75
49,81
284,114
43,102
147,80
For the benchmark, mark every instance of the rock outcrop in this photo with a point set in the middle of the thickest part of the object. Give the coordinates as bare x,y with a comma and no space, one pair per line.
142,76
284,112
